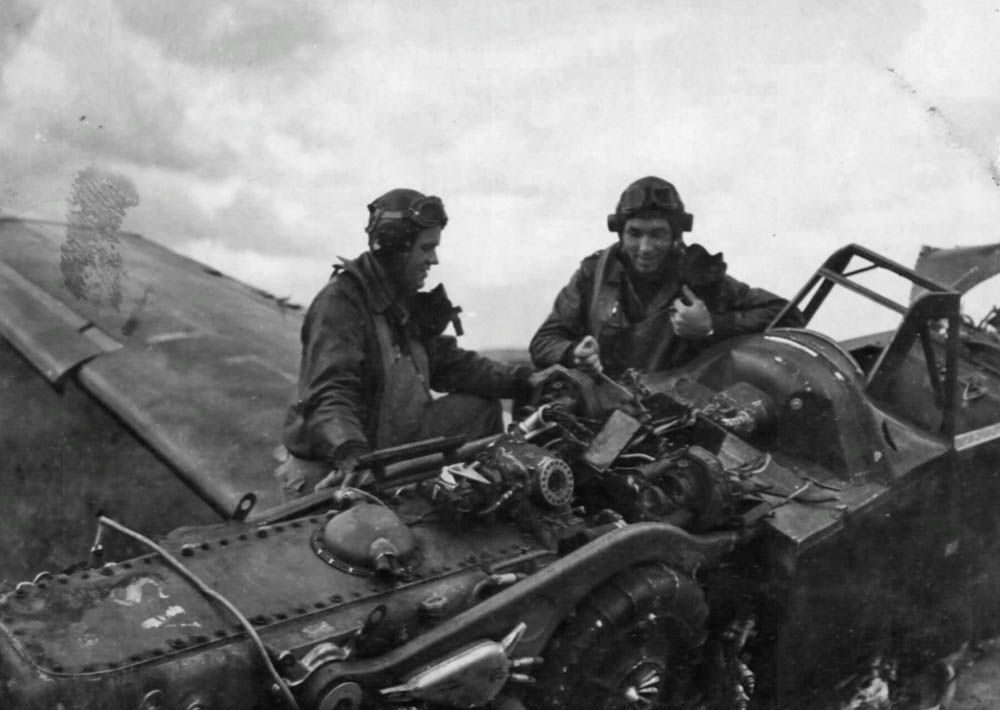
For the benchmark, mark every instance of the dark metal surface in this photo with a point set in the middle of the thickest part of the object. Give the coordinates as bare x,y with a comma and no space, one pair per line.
142,610
838,499
205,368
47,333
959,268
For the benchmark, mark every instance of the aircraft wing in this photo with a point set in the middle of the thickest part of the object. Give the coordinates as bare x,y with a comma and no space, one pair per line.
198,365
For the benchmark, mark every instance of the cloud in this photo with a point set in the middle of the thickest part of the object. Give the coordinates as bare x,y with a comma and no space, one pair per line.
80,82
255,133
229,35
19,17
296,278
253,221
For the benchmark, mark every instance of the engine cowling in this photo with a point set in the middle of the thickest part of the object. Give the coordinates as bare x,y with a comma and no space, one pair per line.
815,406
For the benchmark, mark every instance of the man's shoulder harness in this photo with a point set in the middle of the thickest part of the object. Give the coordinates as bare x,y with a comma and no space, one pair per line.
598,293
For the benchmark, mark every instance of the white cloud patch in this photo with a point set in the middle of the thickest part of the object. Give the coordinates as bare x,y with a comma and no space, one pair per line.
256,132
230,35
296,278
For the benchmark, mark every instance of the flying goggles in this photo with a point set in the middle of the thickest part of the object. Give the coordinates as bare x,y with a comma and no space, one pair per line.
423,212
641,197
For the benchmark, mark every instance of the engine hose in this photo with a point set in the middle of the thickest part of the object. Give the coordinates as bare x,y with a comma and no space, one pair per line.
209,592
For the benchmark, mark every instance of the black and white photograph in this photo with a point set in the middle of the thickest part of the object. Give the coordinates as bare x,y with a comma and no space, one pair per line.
511,355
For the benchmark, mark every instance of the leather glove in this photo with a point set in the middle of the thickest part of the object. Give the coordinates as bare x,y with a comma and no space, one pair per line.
689,316
587,356
345,463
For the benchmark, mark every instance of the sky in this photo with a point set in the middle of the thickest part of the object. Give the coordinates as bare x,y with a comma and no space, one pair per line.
254,133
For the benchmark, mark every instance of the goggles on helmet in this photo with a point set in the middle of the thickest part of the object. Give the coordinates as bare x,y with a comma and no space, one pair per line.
424,212
639,197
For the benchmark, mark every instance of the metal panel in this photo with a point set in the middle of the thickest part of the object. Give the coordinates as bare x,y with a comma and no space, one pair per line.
42,329
207,365
216,421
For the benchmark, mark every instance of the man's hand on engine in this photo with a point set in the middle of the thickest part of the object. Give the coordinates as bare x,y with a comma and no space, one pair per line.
689,316
345,473
587,357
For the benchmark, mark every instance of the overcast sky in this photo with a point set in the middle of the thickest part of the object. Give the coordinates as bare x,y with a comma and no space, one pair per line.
256,132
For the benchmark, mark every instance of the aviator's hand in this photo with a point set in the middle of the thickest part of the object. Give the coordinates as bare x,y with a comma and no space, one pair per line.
587,357
343,473
690,320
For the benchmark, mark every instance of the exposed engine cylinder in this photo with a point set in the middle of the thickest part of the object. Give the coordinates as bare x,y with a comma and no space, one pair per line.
552,485
510,474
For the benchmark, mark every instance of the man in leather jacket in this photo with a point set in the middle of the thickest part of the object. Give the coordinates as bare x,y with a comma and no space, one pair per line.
649,301
373,351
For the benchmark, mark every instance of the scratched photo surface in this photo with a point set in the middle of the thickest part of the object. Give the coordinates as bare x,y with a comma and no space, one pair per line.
177,177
